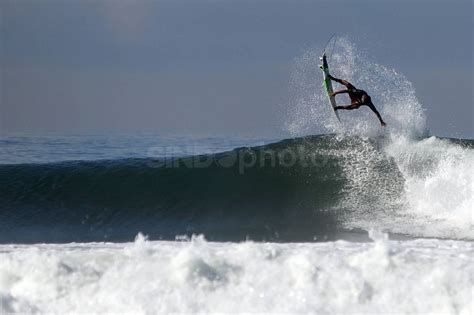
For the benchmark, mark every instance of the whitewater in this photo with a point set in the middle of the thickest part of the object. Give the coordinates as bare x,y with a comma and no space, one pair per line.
145,277
357,219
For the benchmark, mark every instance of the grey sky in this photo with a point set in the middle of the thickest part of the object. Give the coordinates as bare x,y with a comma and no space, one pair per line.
214,67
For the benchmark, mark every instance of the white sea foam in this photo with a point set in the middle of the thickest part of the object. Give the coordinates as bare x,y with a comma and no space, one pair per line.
420,276
439,185
433,195
436,198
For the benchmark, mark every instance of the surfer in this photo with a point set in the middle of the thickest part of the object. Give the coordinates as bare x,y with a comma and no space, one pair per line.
358,98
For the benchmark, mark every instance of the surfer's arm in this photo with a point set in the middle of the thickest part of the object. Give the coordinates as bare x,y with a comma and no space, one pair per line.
376,112
339,92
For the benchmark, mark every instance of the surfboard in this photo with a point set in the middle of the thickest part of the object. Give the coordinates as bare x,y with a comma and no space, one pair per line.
328,84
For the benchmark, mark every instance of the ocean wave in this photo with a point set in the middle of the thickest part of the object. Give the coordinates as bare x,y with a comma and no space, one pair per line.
301,189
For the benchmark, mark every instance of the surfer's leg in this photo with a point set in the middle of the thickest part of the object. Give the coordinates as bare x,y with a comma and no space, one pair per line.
346,83
335,79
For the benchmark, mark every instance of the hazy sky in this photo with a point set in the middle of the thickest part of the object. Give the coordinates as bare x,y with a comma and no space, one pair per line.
214,67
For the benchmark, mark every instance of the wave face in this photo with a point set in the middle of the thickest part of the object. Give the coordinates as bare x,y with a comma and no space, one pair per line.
302,189
214,194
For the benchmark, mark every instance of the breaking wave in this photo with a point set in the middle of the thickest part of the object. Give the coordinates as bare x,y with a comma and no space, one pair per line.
301,189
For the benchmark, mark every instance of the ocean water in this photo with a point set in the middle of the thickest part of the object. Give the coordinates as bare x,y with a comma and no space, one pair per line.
353,218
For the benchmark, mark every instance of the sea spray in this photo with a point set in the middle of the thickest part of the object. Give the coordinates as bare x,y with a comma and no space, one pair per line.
433,196
392,93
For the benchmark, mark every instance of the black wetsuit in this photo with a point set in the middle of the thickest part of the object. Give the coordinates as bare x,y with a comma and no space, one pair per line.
361,95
